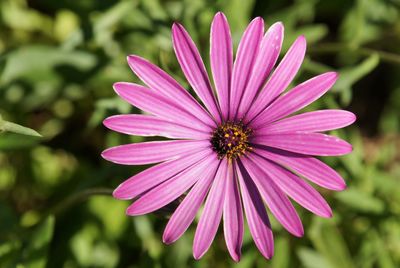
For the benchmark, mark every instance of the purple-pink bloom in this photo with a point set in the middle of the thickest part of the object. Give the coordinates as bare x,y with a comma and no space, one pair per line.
239,148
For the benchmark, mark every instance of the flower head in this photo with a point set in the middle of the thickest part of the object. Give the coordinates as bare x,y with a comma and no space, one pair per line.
239,148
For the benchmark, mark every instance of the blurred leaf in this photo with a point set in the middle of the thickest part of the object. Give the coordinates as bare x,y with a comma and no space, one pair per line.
238,13
11,141
150,242
40,61
35,253
350,75
91,249
2,66
329,242
313,33
282,252
361,201
312,259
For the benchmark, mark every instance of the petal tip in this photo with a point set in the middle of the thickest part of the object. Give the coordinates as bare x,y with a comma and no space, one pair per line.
176,26
131,211
268,254
302,40
328,214
166,238
353,117
105,154
106,122
132,59
278,25
298,232
118,194
118,87
258,20
197,256
236,257
220,14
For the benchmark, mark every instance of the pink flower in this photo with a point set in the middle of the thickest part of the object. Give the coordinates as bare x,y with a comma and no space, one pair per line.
237,150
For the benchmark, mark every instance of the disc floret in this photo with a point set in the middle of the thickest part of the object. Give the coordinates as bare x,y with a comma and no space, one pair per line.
231,139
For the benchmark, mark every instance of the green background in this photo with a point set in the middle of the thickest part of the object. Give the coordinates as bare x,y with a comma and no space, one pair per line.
58,61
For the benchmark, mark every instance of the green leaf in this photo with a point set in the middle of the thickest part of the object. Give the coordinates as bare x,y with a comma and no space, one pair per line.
35,254
348,76
145,231
282,253
329,242
2,66
239,13
312,259
15,128
361,201
12,141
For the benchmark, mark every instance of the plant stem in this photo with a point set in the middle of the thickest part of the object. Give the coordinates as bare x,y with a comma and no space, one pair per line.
325,48
79,197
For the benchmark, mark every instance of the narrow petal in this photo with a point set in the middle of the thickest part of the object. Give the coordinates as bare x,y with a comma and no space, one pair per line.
245,58
187,210
221,57
317,121
280,79
307,166
212,213
257,218
161,82
305,143
269,52
155,175
151,102
173,188
276,200
193,67
296,99
233,216
151,152
147,125
296,188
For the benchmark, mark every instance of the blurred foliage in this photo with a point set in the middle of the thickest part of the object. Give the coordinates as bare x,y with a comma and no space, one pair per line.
58,62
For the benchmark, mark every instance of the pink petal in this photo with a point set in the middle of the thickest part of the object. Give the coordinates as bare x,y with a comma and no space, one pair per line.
296,188
173,188
307,166
161,82
149,101
296,99
193,67
221,60
233,216
257,218
245,58
186,211
306,143
317,121
147,125
269,52
212,213
280,79
155,175
153,151
276,200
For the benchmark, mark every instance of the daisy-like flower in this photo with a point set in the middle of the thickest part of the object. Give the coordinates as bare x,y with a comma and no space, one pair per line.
236,150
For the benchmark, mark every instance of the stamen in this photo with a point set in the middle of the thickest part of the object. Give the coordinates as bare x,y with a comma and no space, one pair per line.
231,139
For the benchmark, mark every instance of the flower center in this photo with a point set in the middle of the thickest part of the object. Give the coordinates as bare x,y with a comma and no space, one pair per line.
231,139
